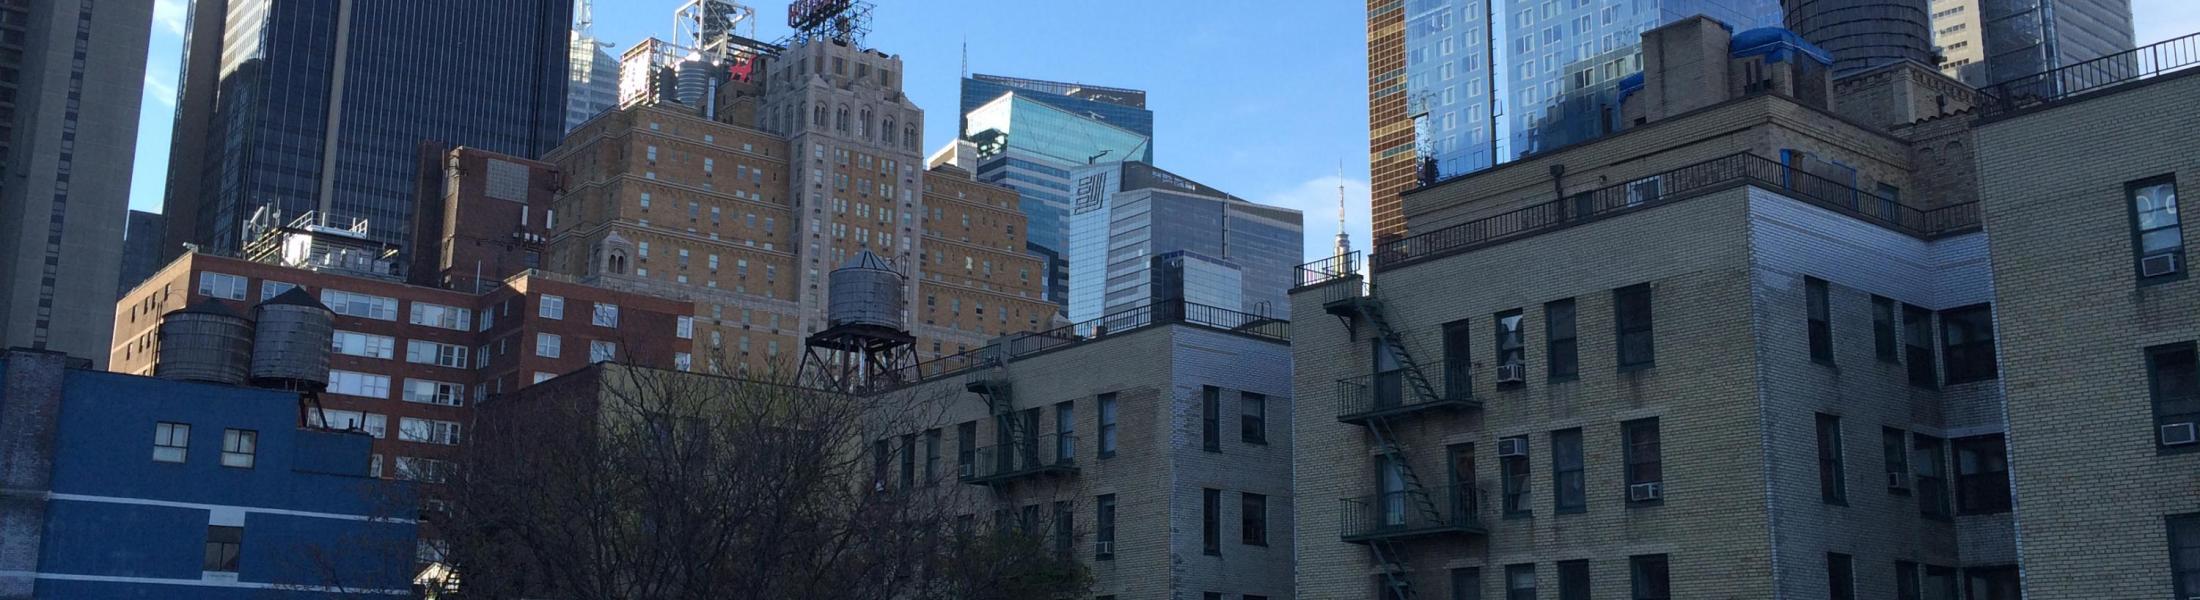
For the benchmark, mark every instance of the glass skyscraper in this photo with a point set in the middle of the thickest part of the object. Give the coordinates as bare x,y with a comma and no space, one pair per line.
1991,41
1121,107
1023,139
1126,214
324,106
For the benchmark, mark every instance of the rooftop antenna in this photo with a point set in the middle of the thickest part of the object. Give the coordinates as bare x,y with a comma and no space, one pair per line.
966,56
587,25
1344,241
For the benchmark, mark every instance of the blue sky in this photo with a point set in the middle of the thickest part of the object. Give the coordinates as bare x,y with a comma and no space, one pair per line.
1261,99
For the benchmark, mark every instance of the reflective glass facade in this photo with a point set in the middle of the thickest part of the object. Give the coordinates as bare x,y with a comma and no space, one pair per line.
1126,214
1120,107
1503,78
1032,146
296,128
1992,41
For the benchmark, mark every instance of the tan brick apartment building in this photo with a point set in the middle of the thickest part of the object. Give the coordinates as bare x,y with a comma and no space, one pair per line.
1742,349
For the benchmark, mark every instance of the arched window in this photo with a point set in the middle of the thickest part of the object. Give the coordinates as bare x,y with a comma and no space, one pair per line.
841,122
617,264
909,135
817,116
888,130
863,125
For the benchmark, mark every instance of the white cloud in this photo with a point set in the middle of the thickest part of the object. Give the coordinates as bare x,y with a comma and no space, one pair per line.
160,90
2157,20
1317,198
170,14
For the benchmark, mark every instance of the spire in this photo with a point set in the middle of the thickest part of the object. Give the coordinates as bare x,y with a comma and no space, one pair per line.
586,14
1344,241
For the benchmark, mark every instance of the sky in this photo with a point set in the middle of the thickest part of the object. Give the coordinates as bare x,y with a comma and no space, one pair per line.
1262,99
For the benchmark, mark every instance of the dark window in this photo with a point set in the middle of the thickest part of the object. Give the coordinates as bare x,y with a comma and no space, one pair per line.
1992,583
909,460
1967,343
1568,489
1917,340
1573,580
223,546
966,447
1893,443
1631,313
1466,584
1560,357
1210,521
1394,586
1645,466
2184,554
2173,381
1103,527
1514,471
1982,475
1065,432
1211,596
1210,418
1932,475
1512,348
1253,519
1648,578
1831,477
1520,582
2157,230
1905,581
1458,360
1821,319
880,454
1253,414
1940,583
1840,577
1107,425
1883,325
1065,529
932,456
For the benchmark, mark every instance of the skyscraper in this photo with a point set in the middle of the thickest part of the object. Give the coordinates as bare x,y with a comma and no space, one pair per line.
1029,138
1121,107
71,75
1456,86
319,107
592,76
1985,42
1128,214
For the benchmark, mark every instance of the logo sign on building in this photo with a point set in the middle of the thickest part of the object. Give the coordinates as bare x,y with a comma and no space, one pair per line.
1091,192
806,15
637,75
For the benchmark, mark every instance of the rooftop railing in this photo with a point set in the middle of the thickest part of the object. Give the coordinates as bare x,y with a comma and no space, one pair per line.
1119,322
2049,87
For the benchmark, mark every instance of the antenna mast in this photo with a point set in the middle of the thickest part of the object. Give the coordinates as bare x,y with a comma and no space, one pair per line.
1344,240
587,26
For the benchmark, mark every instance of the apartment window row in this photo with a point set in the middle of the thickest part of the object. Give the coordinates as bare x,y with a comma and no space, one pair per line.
172,444
1648,578
1966,339
1642,465
1252,520
1914,465
446,317
1252,418
1633,329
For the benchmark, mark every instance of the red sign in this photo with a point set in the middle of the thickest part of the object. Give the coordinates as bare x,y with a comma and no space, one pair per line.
741,69
805,15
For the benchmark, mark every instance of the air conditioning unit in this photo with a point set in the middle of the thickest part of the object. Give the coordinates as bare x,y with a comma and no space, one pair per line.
1898,481
2178,434
1512,373
1104,548
1643,492
1512,447
2158,265
966,470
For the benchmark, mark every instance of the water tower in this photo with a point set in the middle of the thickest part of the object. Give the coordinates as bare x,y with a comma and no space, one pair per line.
205,342
865,344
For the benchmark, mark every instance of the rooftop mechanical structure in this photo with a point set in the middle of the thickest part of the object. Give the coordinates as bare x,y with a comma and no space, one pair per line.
866,346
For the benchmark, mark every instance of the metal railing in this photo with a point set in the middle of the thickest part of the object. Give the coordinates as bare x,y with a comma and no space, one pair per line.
1329,269
1670,186
1412,513
1119,322
1362,397
2048,87
1032,455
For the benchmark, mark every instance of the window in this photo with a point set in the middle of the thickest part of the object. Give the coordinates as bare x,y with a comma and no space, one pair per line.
1821,320
1905,581
2157,231
683,361
223,546
1883,325
360,305
684,328
1645,464
434,392
606,315
548,345
270,288
1895,445
932,456
1573,580
1967,343
908,460
1917,336
1103,527
239,446
602,351
1568,490
1107,425
1647,577
2173,382
431,353
1932,475
1940,583
2184,554
1252,418
1560,356
1520,582
1992,583
1514,471
1210,418
422,469
359,384
1631,312
1466,584
966,447
427,431
437,315
1832,486
1840,577
221,285
352,343
1210,521
171,442
1511,348
350,420
1982,475
1458,360
551,307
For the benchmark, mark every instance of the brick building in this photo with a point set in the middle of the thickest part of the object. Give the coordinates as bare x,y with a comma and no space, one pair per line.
1741,349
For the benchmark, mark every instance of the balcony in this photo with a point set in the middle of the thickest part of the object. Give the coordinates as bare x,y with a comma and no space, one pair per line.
1384,395
1035,457
1451,510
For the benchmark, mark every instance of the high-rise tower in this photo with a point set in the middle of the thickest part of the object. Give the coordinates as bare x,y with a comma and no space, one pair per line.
1985,42
592,80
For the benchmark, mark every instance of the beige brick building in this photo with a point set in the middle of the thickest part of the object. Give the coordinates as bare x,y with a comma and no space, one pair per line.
1742,349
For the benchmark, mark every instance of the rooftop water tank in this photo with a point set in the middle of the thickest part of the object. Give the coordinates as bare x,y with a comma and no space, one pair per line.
205,342
291,347
691,80
866,291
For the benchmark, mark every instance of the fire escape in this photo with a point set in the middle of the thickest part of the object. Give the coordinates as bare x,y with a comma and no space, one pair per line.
1398,390
1020,452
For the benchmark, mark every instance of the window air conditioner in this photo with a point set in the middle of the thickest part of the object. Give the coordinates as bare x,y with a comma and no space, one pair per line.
1512,373
2158,265
1641,492
1103,547
1898,481
2178,434
1512,447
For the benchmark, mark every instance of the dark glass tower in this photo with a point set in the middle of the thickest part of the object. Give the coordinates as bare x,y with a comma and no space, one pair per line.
322,105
